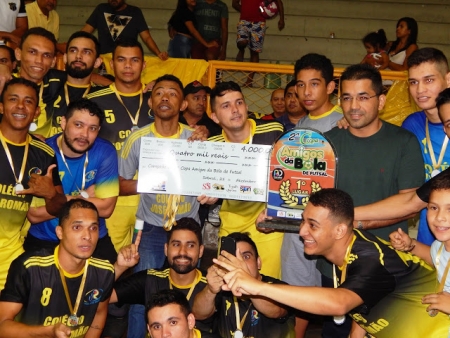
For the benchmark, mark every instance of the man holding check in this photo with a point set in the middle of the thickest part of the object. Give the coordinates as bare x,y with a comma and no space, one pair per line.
230,111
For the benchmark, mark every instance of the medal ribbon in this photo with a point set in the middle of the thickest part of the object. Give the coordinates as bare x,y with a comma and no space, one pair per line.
66,92
86,162
344,266
134,119
240,322
191,290
173,202
447,267
10,160
430,148
74,309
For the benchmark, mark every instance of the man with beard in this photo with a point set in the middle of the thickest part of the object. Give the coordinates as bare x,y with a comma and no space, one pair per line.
81,58
117,21
183,250
88,170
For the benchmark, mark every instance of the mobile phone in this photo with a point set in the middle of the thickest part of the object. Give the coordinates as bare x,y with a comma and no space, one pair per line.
228,244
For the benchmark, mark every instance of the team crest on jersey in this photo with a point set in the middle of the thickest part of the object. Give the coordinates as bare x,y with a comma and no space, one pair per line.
116,24
34,170
254,317
13,6
93,297
90,175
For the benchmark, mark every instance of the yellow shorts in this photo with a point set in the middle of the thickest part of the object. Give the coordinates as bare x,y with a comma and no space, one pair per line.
120,225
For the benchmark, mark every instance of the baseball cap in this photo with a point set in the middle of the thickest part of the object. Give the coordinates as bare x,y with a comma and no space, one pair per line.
195,87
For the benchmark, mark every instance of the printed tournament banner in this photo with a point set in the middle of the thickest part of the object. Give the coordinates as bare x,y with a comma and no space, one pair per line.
302,161
215,169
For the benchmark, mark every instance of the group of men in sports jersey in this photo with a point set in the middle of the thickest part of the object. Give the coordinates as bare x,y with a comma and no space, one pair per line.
63,283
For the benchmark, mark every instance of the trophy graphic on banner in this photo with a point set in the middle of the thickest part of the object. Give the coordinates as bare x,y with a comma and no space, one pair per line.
302,162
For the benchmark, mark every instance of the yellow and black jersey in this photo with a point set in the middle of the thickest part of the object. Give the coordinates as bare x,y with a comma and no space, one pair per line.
14,207
255,324
262,132
58,107
34,281
147,282
391,284
51,85
117,125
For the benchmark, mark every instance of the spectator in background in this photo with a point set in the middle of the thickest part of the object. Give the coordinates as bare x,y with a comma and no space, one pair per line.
41,13
13,21
195,113
212,23
277,103
406,43
294,110
7,57
375,44
182,30
117,20
251,29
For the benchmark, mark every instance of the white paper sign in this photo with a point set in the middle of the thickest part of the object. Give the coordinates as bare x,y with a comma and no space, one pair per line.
215,169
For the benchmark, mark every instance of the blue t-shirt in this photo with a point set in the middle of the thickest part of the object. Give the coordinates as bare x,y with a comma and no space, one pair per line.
102,170
415,123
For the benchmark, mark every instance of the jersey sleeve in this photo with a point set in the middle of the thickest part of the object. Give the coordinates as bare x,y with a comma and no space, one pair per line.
223,10
131,289
22,10
411,165
129,158
17,285
94,19
109,284
369,279
141,23
107,182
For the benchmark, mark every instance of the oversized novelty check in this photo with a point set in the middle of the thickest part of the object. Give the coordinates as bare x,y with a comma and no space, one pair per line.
215,169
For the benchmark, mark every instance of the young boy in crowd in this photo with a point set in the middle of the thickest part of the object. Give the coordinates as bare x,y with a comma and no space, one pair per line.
438,218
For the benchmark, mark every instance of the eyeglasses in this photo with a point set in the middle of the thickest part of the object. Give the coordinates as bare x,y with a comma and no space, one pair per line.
360,98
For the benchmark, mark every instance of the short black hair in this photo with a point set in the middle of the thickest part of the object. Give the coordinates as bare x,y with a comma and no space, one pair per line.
429,54
128,43
77,203
86,35
40,32
187,223
289,85
85,104
165,297
244,237
440,182
221,89
317,62
172,78
443,98
21,81
12,55
337,202
363,72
